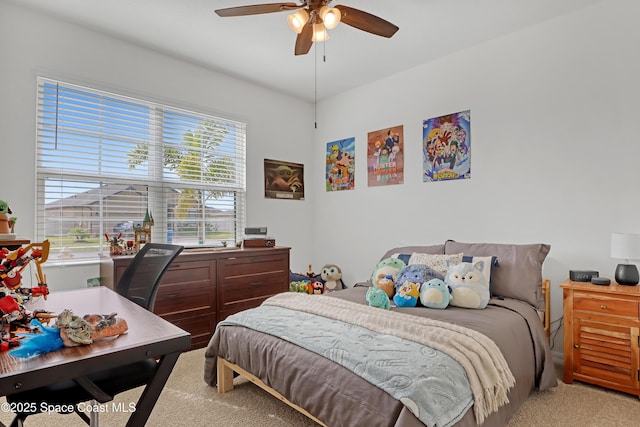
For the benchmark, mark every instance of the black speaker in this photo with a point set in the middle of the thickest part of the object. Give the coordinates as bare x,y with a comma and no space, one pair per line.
582,275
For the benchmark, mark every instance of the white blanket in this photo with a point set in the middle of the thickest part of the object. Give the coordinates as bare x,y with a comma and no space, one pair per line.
488,373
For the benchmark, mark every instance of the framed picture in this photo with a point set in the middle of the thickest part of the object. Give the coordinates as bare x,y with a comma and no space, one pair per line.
340,165
385,156
446,147
283,180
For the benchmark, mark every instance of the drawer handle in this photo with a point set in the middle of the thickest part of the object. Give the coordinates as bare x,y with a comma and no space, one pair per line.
255,283
603,306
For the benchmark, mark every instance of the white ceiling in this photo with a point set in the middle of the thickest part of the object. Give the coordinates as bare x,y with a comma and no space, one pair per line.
259,48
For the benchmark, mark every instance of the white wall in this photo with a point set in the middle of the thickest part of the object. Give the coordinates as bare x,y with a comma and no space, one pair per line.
554,141
32,44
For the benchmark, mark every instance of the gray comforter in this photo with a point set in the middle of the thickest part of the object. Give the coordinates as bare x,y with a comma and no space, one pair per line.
338,397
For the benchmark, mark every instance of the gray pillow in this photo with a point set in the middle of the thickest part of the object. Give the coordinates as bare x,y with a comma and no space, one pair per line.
408,250
518,274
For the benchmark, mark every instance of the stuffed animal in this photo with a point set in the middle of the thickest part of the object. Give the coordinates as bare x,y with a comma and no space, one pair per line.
416,273
435,294
299,286
469,286
407,295
316,288
378,298
388,266
386,284
332,276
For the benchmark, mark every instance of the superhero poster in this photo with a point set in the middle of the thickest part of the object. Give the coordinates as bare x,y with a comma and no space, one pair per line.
446,147
283,180
340,169
385,156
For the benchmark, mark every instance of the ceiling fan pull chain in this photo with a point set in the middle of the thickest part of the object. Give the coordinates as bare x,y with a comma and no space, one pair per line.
315,87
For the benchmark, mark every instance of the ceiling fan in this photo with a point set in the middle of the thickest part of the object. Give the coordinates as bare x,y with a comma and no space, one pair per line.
314,17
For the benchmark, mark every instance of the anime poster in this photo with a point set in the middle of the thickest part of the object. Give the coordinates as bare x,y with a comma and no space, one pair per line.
385,156
340,170
446,147
283,180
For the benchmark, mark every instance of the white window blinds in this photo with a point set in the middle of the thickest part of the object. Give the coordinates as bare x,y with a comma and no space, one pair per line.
105,162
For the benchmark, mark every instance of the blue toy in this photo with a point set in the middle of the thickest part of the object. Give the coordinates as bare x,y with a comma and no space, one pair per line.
35,344
407,295
378,298
416,273
435,294
469,286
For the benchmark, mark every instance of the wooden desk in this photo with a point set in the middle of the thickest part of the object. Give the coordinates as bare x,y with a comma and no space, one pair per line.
148,336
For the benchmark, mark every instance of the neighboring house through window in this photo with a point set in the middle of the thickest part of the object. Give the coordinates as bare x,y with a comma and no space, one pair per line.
105,161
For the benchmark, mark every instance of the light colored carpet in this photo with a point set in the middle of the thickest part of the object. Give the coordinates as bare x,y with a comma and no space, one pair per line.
188,401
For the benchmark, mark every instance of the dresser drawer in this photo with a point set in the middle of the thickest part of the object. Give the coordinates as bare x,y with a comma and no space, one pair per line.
179,298
257,287
200,327
187,287
235,268
604,305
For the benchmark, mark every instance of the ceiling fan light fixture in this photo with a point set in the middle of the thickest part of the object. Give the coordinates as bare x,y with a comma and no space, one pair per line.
330,16
298,20
319,33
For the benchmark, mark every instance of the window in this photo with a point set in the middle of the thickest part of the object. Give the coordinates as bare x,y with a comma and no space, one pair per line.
106,163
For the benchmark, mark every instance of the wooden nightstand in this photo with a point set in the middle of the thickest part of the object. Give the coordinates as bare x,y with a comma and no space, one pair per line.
601,325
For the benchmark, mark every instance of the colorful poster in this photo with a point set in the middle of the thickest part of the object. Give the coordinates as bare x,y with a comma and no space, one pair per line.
283,180
340,170
385,156
446,147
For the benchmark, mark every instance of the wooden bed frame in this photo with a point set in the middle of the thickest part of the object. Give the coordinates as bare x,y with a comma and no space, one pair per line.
225,383
225,369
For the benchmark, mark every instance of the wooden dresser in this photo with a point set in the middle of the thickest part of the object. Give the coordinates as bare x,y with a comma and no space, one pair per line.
601,325
201,288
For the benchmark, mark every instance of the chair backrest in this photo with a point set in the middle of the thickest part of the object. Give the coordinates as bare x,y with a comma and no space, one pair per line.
141,279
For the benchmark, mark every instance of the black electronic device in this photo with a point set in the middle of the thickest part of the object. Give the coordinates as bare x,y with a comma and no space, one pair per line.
603,281
258,231
582,275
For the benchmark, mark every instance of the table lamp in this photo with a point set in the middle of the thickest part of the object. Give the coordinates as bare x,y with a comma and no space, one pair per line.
626,246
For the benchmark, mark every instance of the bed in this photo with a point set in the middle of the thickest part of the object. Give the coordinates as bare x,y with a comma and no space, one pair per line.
321,385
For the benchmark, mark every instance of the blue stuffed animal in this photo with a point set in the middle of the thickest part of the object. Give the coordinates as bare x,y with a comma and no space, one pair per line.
378,298
36,344
435,294
416,273
407,295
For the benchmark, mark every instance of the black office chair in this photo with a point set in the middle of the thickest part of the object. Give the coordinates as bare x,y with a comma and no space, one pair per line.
139,283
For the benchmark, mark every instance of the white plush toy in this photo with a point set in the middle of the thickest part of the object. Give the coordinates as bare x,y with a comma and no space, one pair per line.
332,277
469,286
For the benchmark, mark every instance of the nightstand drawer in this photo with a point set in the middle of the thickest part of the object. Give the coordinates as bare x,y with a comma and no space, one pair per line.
604,305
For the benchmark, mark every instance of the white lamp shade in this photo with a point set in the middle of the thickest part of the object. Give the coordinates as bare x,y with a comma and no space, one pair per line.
625,246
319,33
330,16
297,20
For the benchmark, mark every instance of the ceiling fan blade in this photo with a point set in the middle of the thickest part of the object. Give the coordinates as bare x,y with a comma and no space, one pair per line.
303,41
366,22
256,9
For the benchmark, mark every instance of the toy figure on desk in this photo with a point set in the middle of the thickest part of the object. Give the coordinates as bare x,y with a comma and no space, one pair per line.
6,228
13,262
69,331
